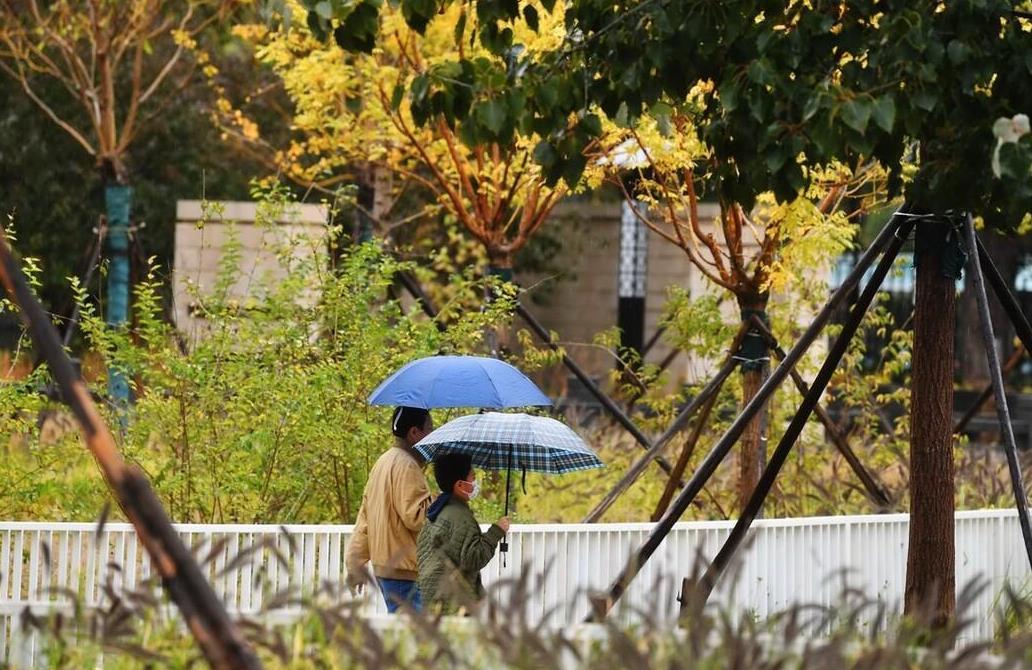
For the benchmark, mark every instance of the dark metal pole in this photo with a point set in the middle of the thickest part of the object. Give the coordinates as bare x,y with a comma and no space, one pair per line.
1002,410
986,393
73,320
219,639
875,492
605,400
663,365
416,291
1006,298
693,601
675,427
652,340
892,236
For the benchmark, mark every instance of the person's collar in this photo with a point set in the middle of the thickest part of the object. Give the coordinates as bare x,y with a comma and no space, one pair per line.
399,443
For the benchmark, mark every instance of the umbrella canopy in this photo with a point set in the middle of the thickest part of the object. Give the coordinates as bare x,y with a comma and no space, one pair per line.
458,381
501,441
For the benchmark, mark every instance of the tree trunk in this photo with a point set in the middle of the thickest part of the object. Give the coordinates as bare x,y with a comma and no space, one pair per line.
753,447
497,338
930,583
118,201
752,455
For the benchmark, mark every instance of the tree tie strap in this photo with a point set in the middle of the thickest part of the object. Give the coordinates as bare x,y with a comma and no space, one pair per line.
753,352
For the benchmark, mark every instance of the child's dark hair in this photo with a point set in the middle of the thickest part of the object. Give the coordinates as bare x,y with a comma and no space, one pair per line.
450,468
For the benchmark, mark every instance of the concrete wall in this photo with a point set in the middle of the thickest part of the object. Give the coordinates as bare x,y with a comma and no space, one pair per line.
201,233
578,304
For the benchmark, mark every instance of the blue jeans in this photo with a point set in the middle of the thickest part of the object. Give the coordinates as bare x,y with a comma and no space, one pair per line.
397,591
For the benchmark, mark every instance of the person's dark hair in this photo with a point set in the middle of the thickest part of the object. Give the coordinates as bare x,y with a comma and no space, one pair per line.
450,468
406,418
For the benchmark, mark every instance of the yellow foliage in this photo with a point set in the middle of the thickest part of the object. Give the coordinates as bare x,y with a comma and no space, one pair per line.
347,115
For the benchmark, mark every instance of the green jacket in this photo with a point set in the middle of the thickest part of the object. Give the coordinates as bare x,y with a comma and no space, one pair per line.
451,551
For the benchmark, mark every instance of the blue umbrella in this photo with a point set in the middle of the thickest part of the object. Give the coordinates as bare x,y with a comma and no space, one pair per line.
458,381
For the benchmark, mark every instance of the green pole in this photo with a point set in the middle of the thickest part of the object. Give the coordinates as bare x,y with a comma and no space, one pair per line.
117,201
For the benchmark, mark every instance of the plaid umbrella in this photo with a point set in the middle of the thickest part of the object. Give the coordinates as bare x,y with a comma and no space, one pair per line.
499,441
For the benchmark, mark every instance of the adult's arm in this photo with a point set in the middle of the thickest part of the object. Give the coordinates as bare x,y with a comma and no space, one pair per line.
358,548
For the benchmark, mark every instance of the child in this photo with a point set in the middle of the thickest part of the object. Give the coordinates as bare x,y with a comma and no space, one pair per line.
451,550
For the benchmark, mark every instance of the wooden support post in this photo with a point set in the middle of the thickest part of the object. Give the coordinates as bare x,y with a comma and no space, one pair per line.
810,400
996,374
675,427
891,236
874,490
606,402
693,438
219,639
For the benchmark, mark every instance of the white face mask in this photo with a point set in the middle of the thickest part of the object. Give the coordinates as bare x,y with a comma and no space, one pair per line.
476,490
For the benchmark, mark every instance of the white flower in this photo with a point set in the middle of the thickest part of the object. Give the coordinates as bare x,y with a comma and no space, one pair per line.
1020,123
1008,131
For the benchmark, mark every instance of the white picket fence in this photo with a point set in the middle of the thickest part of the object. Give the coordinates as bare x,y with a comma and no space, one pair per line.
788,561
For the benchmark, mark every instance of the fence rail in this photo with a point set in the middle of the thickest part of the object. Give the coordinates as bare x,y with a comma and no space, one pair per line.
787,561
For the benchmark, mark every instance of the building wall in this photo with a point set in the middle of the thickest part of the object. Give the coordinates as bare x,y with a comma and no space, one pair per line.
584,301
579,303
201,234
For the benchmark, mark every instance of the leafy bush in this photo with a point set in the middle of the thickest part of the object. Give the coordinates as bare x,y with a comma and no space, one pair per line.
132,629
265,417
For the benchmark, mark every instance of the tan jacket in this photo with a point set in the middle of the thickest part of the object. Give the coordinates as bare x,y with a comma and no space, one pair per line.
392,513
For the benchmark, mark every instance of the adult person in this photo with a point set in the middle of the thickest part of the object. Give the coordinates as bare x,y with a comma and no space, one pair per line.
451,550
393,510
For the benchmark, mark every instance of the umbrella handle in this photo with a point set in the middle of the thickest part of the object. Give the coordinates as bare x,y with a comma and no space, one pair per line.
504,546
508,476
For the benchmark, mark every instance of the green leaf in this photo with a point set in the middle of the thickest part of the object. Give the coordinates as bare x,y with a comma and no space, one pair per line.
856,113
662,112
357,32
317,26
417,13
548,94
324,10
531,16
420,85
492,115
728,94
545,154
760,72
591,125
396,96
1014,162
763,40
775,158
812,106
573,169
460,26
621,117
957,51
884,112
924,99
